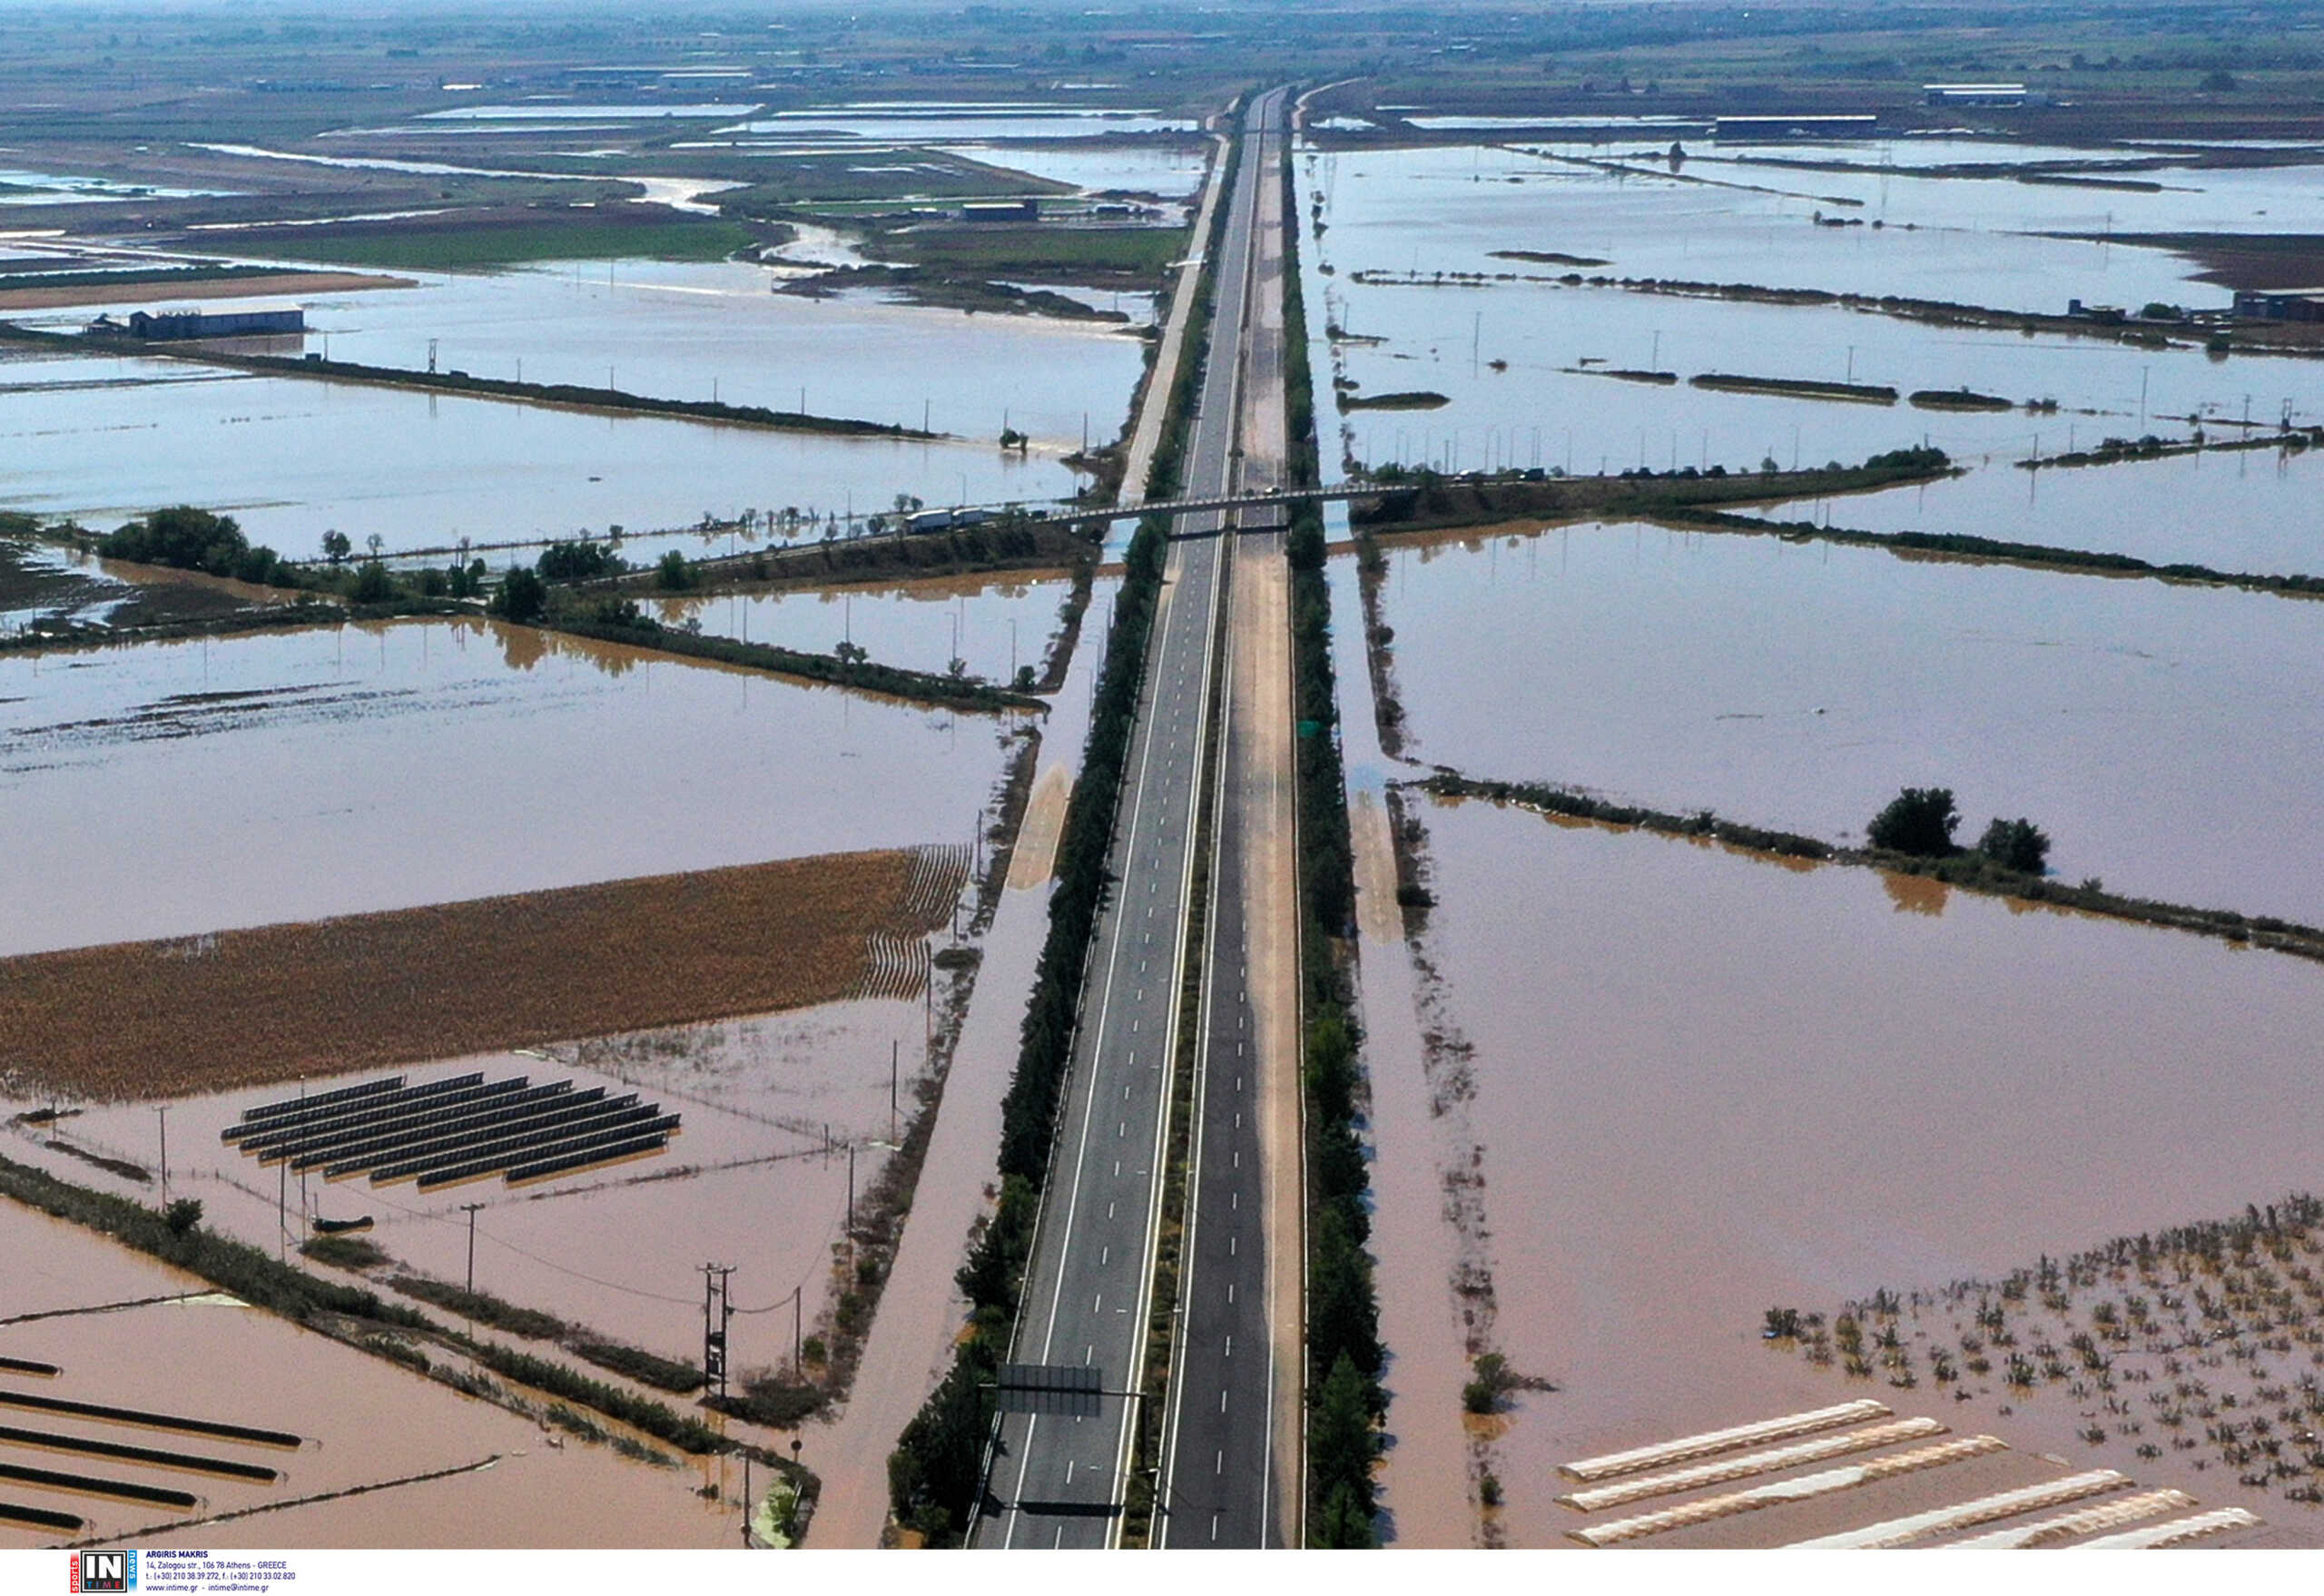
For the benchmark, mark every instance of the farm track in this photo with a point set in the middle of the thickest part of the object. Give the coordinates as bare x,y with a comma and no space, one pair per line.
246,1008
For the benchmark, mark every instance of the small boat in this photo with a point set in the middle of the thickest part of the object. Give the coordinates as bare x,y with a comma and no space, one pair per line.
342,1226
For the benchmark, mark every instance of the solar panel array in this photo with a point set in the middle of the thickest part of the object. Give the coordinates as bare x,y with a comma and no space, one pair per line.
449,1132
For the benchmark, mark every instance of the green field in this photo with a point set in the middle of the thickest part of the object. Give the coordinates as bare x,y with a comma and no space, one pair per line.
1106,256
482,247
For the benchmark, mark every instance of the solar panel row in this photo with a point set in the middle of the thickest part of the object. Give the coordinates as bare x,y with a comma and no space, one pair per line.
573,1163
555,1149
319,1110
345,1094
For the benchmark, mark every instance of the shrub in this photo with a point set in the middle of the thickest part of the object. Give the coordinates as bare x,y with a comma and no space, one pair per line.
523,597
1917,821
1482,1393
372,585
2017,844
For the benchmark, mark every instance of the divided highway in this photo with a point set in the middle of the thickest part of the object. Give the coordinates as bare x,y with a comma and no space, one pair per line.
1057,1480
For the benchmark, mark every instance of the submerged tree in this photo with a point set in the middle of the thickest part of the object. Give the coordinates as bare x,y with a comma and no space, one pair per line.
523,595
2019,845
1919,821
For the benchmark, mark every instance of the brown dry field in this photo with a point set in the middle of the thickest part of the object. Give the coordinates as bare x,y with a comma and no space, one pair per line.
246,1008
219,287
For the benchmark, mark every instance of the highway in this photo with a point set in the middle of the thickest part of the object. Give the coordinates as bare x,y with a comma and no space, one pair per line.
1232,1449
1059,1481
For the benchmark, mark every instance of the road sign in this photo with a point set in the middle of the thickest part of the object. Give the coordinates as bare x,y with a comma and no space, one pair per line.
1069,1389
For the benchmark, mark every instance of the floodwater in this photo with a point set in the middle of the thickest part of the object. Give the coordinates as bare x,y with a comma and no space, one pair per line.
1420,212
1459,203
1707,1083
921,1308
2256,511
365,1421
746,1181
283,777
88,438
993,625
2165,737
927,122
698,332
1172,170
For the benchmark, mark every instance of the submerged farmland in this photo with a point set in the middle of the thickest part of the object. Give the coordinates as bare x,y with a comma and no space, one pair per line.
265,779
1700,1082
1797,687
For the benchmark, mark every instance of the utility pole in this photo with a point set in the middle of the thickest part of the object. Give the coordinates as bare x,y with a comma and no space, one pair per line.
717,1311
895,1053
470,1209
164,1112
850,1205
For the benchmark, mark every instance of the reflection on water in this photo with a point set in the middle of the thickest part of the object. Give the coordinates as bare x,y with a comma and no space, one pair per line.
695,331
2257,510
2166,737
261,779
994,626
1500,353
274,453
1705,1087
1916,895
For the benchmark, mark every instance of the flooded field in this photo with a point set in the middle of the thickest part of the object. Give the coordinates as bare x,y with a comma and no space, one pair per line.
2256,511
263,779
1507,358
1171,171
994,626
682,331
363,1424
927,122
1690,1109
89,438
2160,734
749,1179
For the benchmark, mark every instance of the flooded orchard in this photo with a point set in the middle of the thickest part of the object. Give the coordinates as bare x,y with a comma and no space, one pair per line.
1704,1083
278,777
2155,731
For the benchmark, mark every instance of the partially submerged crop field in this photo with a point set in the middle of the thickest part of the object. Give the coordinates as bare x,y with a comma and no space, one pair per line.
243,1007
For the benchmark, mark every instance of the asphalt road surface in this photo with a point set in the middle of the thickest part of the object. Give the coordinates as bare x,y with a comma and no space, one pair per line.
1057,1480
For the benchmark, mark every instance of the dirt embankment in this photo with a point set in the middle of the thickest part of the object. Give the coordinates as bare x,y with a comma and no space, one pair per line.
1424,501
195,288
242,1007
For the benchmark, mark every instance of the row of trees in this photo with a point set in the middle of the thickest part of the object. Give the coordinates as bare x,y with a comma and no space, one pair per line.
1345,1401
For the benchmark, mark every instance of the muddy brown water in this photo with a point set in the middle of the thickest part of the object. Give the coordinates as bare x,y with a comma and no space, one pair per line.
993,625
284,777
365,1422
2160,735
1707,1085
745,1182
2248,510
